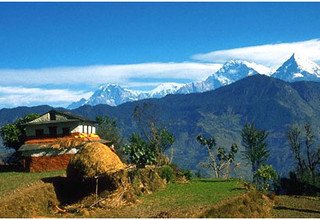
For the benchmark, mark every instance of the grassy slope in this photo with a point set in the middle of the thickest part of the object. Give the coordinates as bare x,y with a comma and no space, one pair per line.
12,180
177,200
297,207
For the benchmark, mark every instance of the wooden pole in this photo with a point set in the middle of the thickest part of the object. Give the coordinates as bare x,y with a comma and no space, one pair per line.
97,186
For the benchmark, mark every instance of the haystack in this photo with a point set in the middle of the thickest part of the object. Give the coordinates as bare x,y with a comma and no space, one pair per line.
94,159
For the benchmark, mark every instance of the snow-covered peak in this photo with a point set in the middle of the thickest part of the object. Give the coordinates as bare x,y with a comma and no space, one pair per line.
259,68
233,64
165,88
108,86
298,68
304,64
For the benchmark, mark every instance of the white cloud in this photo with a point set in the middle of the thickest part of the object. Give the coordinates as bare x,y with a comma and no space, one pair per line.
20,96
30,86
16,84
271,55
96,75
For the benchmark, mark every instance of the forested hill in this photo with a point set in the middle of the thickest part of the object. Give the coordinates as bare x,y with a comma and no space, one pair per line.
270,103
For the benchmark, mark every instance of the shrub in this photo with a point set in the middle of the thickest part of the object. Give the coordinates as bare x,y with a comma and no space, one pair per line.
187,174
140,152
167,173
265,177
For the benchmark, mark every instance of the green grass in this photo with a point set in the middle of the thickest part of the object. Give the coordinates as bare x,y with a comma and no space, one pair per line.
198,192
12,180
178,200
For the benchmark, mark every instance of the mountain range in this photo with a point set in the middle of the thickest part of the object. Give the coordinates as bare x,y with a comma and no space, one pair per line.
296,68
271,104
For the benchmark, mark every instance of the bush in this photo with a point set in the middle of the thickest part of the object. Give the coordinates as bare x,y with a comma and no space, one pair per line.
298,186
140,152
265,177
187,174
167,173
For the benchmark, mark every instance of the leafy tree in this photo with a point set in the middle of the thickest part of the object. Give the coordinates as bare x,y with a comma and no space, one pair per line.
107,129
158,138
160,141
307,155
254,142
265,176
219,159
14,135
139,151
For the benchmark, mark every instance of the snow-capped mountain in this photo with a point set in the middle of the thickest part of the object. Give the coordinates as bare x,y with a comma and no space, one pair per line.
230,72
111,94
164,89
298,68
77,104
114,94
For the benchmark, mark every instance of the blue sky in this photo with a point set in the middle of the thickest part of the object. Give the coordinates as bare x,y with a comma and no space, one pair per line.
69,49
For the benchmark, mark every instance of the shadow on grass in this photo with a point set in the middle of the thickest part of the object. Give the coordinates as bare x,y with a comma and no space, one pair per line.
295,209
238,189
67,191
72,191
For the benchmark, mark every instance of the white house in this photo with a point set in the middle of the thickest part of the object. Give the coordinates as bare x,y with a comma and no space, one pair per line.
58,124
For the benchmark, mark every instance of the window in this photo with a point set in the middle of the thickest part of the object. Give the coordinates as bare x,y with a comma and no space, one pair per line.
65,131
39,132
53,131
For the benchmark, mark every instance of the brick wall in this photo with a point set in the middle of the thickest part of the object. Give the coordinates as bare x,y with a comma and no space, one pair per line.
47,163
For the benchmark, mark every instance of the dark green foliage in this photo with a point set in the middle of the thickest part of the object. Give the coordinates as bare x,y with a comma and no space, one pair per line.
297,185
307,157
139,151
188,174
107,129
270,103
198,174
167,173
158,138
266,176
255,145
219,160
180,173
14,135
161,139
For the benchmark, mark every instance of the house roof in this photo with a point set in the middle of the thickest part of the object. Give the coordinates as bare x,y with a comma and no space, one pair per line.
68,117
58,145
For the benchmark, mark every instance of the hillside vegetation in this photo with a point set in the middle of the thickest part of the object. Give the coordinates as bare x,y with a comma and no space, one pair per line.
10,181
271,104
176,200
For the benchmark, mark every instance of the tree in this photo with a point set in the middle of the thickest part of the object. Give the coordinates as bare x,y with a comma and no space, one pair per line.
158,137
219,160
160,141
307,155
255,145
139,151
145,152
265,175
14,135
107,129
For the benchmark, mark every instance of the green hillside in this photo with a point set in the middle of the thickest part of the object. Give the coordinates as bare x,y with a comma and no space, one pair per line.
269,103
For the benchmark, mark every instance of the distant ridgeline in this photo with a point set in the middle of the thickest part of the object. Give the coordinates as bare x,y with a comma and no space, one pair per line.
271,104
296,68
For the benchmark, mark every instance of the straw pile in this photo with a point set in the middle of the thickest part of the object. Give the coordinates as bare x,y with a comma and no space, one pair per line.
93,159
67,143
